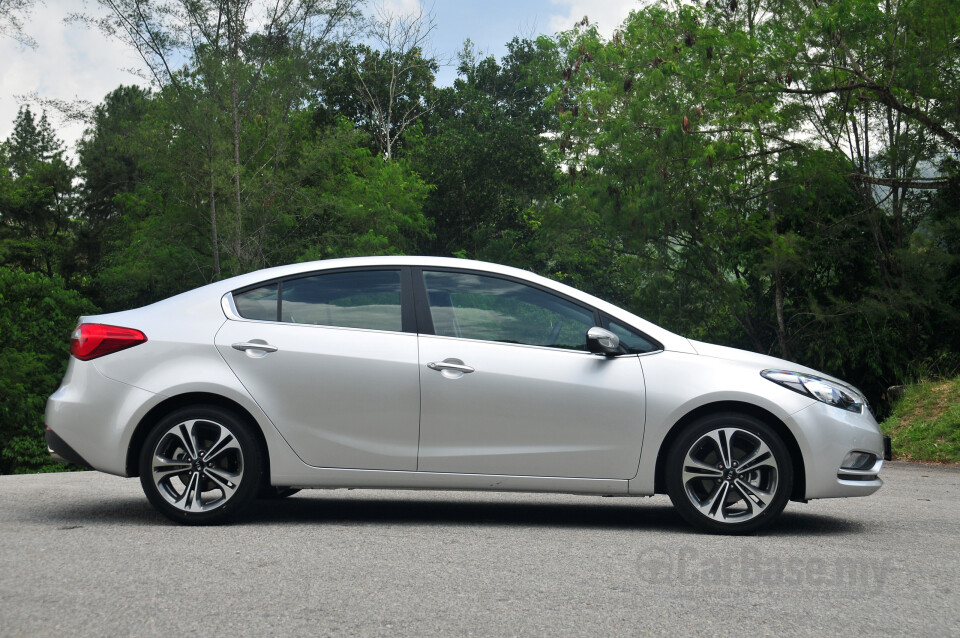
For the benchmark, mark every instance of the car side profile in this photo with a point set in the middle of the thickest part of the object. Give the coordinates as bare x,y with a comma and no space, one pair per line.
437,373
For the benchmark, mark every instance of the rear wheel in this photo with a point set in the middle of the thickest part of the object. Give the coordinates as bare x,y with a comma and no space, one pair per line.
729,474
200,465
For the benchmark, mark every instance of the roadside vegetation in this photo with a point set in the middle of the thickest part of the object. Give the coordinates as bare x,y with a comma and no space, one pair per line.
925,422
775,175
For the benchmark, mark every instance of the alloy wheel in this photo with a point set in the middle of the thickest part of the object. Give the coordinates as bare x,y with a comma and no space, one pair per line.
197,465
730,475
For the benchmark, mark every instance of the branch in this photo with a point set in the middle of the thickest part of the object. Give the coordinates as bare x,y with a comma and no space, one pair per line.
12,15
830,89
886,97
926,183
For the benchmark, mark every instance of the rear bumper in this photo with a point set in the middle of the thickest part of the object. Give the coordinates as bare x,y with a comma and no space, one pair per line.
60,451
92,418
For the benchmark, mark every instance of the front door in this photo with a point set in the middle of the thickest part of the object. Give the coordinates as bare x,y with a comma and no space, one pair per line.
508,387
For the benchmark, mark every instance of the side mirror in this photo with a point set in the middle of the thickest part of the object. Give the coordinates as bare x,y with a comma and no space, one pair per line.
602,341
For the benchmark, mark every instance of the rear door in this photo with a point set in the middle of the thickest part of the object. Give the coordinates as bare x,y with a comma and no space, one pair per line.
328,359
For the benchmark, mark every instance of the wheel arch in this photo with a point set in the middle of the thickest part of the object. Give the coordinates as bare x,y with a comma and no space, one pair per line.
167,406
799,478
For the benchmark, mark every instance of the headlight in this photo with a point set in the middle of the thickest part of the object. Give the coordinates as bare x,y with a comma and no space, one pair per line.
830,392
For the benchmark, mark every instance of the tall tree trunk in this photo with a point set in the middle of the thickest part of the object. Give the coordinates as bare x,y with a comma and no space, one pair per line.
234,35
781,324
778,300
215,241
238,230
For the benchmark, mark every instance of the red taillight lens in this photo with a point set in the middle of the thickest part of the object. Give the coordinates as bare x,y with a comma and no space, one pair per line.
92,340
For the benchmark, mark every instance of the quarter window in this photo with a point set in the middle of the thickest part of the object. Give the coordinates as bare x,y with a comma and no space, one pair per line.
472,306
631,340
259,304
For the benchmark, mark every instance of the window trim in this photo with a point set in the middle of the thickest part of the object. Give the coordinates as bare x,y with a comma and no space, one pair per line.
425,319
408,320
415,307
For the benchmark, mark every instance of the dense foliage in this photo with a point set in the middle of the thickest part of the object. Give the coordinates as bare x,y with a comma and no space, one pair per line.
36,313
776,175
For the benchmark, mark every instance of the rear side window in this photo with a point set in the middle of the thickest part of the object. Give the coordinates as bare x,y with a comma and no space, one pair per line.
368,299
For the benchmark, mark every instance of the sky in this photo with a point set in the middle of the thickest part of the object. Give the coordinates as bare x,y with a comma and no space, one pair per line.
72,62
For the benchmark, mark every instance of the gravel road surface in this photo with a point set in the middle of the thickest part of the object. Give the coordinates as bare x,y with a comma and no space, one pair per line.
83,554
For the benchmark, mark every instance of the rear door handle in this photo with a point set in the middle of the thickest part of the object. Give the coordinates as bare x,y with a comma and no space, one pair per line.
449,365
252,345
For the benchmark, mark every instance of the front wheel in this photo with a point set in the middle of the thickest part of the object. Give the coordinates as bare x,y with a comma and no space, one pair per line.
200,465
729,474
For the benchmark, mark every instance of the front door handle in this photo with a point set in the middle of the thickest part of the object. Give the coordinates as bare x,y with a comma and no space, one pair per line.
253,345
450,364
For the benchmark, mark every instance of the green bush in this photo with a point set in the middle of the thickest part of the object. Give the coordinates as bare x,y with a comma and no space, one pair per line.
925,423
37,314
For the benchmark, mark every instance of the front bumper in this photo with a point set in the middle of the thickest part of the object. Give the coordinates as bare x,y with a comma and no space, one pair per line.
826,435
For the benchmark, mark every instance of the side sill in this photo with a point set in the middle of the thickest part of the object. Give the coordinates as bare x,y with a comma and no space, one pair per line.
311,477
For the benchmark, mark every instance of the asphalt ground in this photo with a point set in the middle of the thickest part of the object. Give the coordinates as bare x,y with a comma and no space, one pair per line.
83,554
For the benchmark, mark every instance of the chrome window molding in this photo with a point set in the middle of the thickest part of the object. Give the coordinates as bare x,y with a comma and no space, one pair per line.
230,310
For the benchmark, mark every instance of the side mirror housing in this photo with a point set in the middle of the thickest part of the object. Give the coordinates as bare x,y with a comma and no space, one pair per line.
602,341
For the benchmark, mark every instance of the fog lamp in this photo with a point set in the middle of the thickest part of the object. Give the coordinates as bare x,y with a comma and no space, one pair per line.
858,461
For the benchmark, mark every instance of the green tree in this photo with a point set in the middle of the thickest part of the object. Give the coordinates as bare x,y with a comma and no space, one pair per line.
246,71
483,151
113,156
318,192
142,231
37,314
350,202
385,89
878,82
699,197
37,200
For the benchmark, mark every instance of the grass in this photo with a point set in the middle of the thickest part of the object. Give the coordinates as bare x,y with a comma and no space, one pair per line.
925,423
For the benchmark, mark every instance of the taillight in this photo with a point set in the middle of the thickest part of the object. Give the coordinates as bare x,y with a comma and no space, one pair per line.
92,340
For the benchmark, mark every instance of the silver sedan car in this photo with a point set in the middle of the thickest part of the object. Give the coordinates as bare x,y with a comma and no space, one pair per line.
434,373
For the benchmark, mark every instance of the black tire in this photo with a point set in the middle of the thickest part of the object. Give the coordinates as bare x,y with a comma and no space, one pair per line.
729,473
220,459
275,493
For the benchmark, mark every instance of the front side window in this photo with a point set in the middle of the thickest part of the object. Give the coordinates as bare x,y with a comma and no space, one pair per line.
368,299
471,306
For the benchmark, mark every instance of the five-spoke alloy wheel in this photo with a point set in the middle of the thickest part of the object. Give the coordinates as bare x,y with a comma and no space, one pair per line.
729,473
200,465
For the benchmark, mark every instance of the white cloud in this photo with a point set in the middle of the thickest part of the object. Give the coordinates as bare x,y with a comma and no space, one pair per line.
606,14
400,7
70,62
